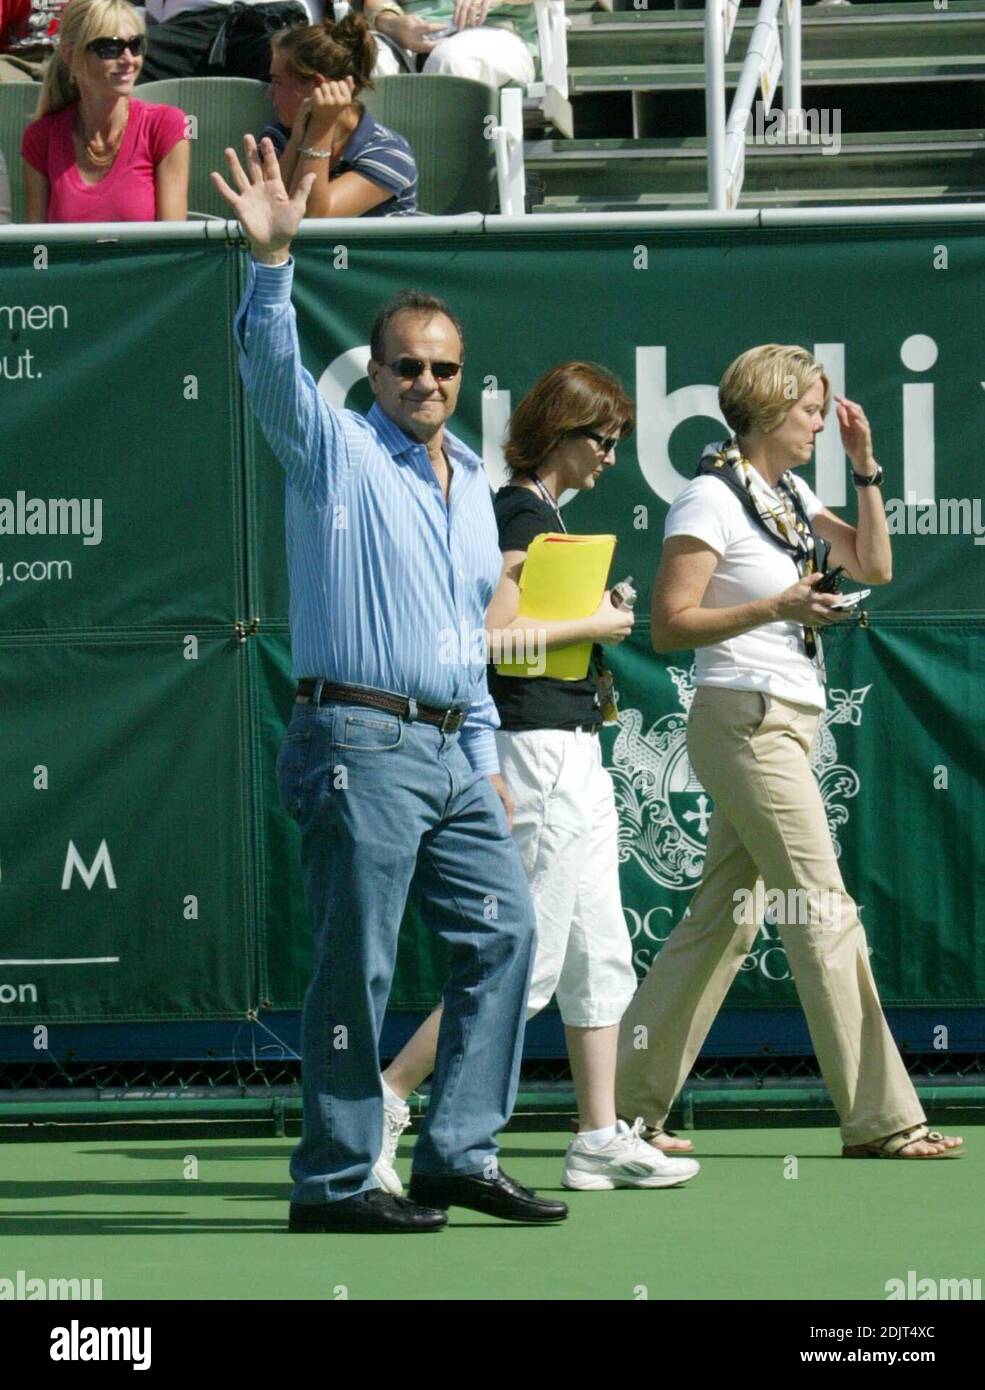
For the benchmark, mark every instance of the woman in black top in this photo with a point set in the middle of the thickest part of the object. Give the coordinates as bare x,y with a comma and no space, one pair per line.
562,436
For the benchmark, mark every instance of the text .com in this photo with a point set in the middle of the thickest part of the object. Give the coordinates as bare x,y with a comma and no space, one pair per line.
34,571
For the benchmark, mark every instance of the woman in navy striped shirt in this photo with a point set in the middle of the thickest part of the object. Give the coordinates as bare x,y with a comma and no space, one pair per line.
363,169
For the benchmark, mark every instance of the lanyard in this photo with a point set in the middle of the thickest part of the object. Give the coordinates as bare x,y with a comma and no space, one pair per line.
550,502
596,661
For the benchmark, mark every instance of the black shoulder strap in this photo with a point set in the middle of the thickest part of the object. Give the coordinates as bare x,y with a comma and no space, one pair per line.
714,466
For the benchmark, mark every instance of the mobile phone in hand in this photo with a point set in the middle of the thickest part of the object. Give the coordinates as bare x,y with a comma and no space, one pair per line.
829,584
850,601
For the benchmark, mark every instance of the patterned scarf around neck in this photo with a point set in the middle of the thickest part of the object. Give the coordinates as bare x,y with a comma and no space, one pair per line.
778,508
780,512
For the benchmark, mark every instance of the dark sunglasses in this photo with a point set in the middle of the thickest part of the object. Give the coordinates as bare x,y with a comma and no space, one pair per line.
113,48
410,368
605,444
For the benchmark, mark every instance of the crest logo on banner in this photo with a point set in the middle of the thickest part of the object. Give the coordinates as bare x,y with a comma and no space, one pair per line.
664,812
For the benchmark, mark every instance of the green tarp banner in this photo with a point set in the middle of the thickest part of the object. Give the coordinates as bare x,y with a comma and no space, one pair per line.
146,871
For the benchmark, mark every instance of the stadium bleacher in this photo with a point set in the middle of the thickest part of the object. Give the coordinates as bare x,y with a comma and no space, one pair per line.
620,126
907,80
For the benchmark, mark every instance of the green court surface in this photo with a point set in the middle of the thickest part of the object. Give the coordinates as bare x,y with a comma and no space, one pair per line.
122,1210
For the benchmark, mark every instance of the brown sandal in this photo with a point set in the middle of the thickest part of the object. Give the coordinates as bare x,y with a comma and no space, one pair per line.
893,1146
657,1138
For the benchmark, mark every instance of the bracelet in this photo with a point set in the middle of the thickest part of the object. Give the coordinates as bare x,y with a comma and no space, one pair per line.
309,153
870,480
384,9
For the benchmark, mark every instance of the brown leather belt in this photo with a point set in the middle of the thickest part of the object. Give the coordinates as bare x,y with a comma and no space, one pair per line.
449,721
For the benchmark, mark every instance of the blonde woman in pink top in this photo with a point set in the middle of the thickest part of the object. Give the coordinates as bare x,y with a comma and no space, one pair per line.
95,153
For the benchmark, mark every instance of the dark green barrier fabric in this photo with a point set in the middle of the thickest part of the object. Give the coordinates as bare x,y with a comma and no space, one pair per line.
125,830
169,757
130,417
897,760
864,299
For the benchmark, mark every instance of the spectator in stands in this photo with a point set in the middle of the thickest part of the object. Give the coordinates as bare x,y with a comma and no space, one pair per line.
27,37
95,153
362,169
744,546
562,435
481,39
217,38
4,190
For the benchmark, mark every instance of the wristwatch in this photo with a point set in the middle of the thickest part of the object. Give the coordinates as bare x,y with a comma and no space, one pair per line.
873,480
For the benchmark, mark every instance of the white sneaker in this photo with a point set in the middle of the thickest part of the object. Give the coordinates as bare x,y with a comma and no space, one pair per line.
396,1118
625,1161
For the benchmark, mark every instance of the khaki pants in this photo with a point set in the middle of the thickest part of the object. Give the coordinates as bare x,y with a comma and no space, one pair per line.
751,751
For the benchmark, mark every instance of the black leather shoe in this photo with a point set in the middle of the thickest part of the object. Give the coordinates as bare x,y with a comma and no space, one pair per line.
374,1210
499,1196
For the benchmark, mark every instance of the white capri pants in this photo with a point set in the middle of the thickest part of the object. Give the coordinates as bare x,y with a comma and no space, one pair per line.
566,828
490,55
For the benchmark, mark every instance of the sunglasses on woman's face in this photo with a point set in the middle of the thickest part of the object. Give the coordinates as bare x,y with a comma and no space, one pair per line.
410,368
113,48
605,444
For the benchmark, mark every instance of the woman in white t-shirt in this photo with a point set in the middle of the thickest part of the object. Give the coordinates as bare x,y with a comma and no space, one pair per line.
737,581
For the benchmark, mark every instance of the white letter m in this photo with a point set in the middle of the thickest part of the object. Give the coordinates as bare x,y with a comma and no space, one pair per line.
102,861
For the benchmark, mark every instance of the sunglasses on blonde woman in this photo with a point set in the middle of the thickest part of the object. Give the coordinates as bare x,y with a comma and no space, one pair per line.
113,48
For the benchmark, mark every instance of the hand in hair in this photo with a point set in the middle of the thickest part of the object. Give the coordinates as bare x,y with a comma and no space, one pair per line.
856,433
267,215
322,110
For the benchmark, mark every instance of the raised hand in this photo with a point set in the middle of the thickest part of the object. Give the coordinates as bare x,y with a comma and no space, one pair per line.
856,435
268,216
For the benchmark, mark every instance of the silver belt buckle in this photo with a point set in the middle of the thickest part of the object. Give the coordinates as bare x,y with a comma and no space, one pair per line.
458,715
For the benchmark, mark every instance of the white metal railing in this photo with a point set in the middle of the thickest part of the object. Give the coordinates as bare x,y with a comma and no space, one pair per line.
550,94
473,224
552,33
767,56
508,135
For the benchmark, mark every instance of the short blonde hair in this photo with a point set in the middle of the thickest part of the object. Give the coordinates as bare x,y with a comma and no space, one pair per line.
759,388
81,22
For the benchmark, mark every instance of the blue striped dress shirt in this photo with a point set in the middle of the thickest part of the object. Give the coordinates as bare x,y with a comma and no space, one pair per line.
389,584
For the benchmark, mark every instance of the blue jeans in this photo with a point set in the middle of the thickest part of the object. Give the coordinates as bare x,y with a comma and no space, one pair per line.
389,809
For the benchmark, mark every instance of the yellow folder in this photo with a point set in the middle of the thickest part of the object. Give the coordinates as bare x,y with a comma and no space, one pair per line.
563,577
